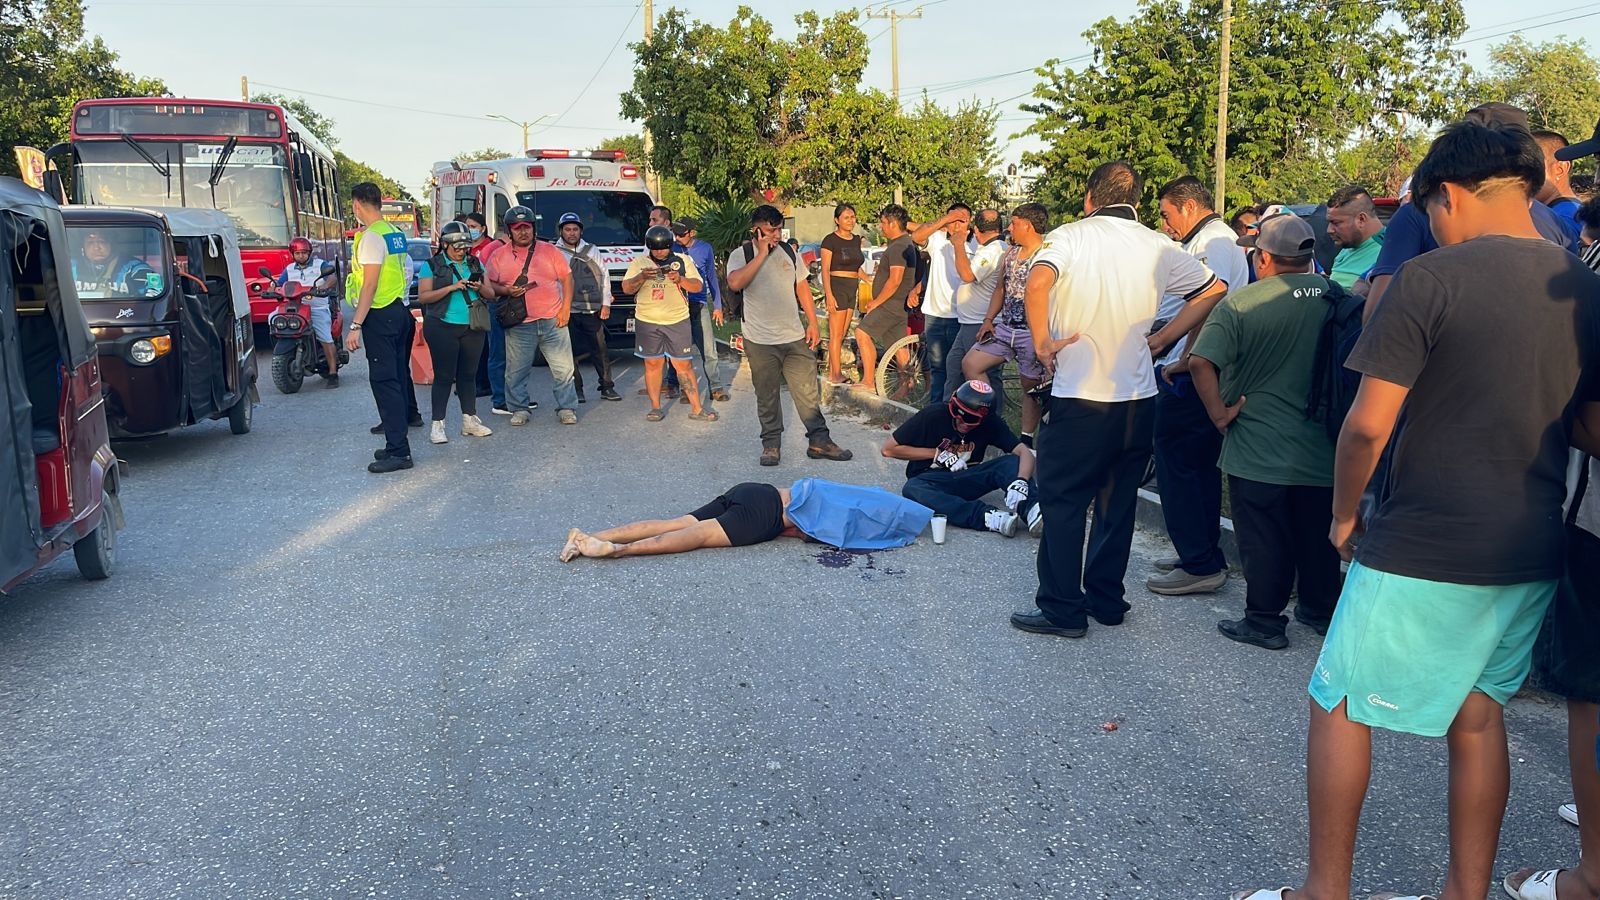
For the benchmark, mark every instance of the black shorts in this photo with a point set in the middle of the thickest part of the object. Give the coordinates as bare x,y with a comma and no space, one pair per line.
1573,665
749,513
885,323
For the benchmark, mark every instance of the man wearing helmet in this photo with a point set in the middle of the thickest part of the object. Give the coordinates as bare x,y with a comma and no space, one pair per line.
662,280
306,271
536,273
944,445
591,305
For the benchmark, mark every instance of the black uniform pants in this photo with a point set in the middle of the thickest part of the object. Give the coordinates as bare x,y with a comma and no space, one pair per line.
1283,537
1089,453
588,332
387,334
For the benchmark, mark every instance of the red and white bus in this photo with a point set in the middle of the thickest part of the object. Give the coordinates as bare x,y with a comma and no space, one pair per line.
253,161
402,214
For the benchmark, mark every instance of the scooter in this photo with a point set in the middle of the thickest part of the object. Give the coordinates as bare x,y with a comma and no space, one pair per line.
295,351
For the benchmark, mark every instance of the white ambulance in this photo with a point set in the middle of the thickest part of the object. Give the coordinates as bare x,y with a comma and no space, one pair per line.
606,192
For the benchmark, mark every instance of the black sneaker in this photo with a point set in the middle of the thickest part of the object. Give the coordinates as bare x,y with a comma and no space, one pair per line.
610,394
1320,626
380,454
330,381
414,422
389,464
376,429
1245,633
582,398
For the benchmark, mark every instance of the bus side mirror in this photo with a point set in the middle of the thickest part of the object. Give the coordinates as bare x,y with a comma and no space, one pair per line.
54,186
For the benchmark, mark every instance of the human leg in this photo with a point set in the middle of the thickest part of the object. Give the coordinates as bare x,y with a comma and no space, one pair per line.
1115,507
654,371
838,324
1316,561
1187,445
867,351
557,346
692,386
638,531
497,364
444,347
966,337
958,495
471,347
694,537
1338,769
1075,453
938,334
1262,523
799,366
403,366
521,344
1480,782
384,332
766,374
710,357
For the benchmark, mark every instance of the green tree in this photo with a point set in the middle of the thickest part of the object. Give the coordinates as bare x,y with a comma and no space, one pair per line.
1557,82
1309,80
482,154
47,65
676,194
352,172
315,122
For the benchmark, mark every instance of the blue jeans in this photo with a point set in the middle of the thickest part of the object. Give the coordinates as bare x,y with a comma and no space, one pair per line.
523,344
957,495
1187,446
496,362
938,334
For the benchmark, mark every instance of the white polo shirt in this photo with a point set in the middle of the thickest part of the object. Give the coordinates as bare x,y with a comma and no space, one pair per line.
939,296
972,298
1111,273
1216,245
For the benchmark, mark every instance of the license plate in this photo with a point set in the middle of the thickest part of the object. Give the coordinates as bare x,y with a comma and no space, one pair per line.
631,326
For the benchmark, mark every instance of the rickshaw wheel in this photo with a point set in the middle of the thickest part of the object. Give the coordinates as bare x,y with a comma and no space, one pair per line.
241,415
96,552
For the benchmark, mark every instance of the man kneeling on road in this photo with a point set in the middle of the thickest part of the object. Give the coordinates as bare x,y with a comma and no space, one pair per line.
847,516
940,445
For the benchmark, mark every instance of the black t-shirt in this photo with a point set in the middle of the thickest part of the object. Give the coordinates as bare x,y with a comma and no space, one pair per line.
1495,338
900,252
934,425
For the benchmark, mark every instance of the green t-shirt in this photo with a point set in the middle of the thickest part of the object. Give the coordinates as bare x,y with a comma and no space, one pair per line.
1263,339
1353,262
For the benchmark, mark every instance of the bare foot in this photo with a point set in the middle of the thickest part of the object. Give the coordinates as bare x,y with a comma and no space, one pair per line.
569,551
593,547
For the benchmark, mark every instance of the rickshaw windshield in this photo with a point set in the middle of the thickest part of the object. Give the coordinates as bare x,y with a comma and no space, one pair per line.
118,262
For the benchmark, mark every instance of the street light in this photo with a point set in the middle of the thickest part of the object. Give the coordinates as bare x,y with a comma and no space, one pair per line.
523,125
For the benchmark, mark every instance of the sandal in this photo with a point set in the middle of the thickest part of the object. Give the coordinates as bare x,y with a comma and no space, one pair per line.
1537,886
704,415
1262,894
655,415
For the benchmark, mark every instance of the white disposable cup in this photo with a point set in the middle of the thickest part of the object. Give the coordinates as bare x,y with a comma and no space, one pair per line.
938,524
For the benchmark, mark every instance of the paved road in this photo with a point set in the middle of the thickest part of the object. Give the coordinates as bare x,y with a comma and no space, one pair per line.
308,681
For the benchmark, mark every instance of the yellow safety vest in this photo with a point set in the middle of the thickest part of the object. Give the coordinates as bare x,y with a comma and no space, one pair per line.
392,274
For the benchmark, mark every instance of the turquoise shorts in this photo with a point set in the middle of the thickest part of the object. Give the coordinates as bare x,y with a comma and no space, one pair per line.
1406,652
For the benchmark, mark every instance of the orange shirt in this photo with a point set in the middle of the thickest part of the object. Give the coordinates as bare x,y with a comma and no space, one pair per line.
544,276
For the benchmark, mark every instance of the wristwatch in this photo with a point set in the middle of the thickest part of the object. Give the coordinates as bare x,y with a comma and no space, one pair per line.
355,326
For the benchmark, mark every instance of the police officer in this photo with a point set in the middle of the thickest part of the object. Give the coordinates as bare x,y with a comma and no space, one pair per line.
378,282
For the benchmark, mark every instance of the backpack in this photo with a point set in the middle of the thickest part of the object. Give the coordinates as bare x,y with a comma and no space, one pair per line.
1333,387
733,301
588,295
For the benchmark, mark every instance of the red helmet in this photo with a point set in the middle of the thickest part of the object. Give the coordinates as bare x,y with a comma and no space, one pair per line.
299,244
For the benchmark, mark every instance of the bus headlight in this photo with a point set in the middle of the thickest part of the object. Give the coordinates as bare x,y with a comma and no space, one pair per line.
147,350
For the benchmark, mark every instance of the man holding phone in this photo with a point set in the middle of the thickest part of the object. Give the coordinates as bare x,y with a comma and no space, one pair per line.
537,273
661,281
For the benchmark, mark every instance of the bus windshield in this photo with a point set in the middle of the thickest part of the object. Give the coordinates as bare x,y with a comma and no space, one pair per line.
252,188
610,218
117,262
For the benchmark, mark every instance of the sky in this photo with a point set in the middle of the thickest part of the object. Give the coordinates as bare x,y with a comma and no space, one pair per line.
401,106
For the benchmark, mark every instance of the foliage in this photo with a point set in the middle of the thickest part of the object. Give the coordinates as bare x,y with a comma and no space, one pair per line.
1557,82
723,225
315,122
353,172
1309,79
47,65
739,112
482,154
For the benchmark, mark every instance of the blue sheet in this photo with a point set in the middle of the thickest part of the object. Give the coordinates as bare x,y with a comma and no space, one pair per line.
852,517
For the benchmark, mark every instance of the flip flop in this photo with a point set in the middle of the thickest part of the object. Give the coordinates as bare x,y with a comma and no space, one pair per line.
704,415
1262,894
655,415
569,551
1390,895
1537,886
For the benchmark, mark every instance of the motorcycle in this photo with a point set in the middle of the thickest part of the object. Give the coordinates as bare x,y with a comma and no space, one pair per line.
295,352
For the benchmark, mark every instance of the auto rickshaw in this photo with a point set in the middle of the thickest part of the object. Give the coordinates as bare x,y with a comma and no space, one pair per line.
58,477
165,294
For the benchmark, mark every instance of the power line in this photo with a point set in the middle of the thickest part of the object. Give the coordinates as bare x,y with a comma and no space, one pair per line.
1518,21
410,109
1488,37
590,83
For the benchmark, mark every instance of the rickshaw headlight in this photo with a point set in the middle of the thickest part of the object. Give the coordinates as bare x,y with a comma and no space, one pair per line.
147,350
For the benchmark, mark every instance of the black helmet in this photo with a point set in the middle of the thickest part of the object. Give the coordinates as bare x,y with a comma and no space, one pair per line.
972,400
454,233
518,215
658,237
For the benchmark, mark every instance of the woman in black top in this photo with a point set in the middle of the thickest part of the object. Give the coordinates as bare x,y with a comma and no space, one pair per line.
841,278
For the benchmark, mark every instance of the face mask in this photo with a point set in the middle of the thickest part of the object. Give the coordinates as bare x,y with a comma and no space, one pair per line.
475,233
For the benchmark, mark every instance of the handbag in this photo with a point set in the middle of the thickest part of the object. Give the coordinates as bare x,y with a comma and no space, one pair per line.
477,315
513,311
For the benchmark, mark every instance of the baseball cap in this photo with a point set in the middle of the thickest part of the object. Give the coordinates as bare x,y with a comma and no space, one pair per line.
1284,234
683,226
1582,148
1502,114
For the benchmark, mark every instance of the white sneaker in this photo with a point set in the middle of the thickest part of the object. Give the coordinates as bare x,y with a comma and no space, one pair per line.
1001,521
436,433
1568,812
1035,519
472,426
500,411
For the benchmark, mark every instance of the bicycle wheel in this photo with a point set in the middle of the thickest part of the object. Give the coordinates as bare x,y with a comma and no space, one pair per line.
902,374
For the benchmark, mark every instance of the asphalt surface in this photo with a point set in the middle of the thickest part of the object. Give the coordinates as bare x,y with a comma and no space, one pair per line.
307,681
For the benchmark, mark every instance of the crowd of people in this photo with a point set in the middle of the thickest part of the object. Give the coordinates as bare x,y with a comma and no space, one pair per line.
1446,457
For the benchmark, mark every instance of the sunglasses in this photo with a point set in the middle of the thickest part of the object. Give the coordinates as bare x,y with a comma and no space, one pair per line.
969,418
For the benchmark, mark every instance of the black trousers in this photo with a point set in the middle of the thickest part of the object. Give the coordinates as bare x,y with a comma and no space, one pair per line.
588,332
387,334
455,350
1283,536
1187,446
1089,453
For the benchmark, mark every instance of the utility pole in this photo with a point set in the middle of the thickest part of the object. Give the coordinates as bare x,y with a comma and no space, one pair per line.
895,17
244,88
1221,157
652,180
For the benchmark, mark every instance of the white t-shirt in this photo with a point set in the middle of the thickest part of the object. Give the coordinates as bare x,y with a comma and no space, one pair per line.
972,298
939,295
306,276
1216,245
1111,273
771,306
